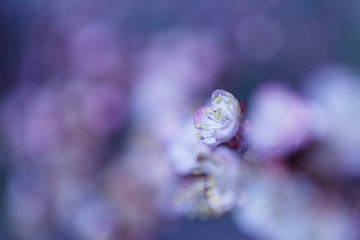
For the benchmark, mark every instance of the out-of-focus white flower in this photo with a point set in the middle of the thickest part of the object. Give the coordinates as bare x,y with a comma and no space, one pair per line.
279,119
284,208
183,148
222,171
220,122
175,67
190,199
215,188
336,89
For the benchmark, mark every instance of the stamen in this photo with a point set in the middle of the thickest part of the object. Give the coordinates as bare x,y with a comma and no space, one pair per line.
218,98
200,186
197,171
212,183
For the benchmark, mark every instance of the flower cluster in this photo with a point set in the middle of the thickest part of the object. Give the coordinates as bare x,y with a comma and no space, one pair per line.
250,172
99,139
215,182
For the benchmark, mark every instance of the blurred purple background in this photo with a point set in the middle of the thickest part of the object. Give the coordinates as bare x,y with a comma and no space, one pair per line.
95,97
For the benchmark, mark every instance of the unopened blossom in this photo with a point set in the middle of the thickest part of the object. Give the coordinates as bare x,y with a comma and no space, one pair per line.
220,122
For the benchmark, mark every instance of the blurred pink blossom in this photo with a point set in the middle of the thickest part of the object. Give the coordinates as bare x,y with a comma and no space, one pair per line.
103,106
336,90
95,51
279,119
283,207
174,68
